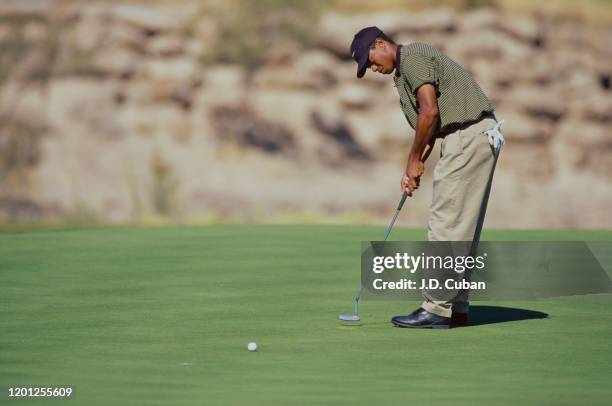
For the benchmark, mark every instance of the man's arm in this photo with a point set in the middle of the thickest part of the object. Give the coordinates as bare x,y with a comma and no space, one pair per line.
427,125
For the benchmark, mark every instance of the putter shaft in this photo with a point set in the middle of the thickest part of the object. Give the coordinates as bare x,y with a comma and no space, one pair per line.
387,233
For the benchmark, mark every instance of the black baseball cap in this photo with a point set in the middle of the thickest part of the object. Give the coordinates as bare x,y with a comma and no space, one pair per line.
360,47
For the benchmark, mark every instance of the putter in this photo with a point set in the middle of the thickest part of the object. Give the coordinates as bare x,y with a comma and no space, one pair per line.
355,315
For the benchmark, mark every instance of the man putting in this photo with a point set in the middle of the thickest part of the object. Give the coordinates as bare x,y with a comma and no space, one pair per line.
440,100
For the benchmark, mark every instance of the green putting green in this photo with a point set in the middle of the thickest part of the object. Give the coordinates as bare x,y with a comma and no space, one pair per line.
163,316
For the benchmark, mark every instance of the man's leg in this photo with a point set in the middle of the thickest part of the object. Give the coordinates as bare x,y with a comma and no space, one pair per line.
461,304
461,180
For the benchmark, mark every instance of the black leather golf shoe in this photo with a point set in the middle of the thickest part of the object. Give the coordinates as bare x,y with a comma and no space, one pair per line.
459,319
421,318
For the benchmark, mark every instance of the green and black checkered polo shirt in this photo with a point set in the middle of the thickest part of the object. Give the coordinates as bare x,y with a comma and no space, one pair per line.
460,99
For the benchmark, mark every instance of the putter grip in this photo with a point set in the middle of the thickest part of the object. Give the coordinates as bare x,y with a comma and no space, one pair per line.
401,203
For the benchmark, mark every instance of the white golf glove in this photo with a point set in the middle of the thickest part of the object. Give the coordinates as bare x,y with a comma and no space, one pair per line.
496,139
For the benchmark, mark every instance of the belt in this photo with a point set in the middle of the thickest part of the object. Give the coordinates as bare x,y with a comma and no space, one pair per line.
452,127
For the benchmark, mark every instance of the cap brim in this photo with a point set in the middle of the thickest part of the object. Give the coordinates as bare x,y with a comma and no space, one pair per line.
362,66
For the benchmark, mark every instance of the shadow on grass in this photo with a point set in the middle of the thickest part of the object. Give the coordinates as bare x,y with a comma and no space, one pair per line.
480,315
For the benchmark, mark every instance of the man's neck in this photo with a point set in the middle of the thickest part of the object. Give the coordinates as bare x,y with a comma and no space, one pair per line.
394,53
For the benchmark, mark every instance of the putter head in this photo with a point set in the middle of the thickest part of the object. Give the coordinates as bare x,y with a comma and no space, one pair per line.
348,317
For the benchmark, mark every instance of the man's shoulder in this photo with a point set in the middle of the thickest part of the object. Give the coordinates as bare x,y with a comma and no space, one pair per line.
418,57
420,48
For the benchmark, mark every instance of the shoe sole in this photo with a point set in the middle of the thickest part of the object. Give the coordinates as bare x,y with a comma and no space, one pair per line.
432,326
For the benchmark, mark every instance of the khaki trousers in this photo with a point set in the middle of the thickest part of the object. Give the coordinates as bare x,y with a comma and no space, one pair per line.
461,186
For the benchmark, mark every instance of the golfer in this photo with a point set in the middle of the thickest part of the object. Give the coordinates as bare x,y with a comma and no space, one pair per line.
440,101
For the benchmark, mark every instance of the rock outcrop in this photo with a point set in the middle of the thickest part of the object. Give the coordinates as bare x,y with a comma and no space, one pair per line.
121,111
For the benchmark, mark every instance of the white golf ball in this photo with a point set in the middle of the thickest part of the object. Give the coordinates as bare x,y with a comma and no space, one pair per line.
252,346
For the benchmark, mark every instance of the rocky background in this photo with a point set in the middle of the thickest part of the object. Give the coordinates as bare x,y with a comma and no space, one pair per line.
243,111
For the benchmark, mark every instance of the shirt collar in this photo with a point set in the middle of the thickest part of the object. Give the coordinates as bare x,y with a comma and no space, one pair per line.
397,61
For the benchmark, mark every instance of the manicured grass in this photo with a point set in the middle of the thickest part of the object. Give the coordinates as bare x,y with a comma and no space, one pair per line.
163,316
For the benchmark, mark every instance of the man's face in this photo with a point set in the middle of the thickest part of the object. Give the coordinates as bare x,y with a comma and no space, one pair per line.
381,57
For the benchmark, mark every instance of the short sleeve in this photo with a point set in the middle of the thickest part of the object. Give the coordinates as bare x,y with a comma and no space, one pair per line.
420,69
